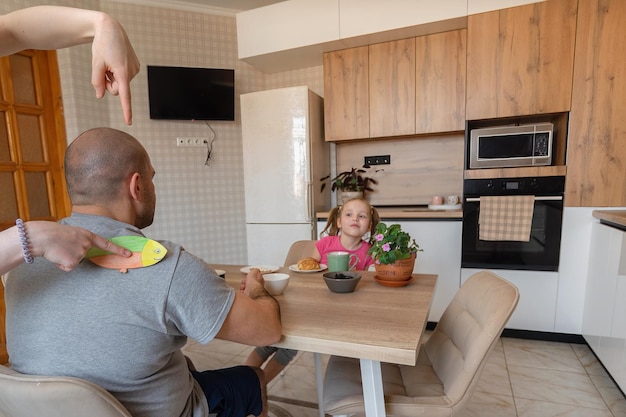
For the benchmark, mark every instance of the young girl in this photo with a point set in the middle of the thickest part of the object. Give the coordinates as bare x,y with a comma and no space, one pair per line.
346,227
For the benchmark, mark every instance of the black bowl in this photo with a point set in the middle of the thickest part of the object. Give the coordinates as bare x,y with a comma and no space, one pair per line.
342,281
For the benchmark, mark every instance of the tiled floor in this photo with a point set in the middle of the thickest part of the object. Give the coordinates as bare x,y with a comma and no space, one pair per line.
523,378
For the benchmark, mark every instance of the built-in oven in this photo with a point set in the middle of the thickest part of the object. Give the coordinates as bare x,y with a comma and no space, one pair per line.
541,251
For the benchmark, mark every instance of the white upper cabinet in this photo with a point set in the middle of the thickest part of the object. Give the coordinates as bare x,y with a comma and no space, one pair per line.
294,34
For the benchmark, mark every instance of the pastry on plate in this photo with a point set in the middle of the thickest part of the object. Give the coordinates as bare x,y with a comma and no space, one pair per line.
308,264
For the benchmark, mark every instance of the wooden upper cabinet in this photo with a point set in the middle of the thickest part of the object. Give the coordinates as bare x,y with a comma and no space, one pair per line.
520,60
392,88
346,95
596,151
440,82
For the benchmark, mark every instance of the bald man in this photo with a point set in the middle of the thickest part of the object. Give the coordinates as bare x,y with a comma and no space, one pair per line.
125,331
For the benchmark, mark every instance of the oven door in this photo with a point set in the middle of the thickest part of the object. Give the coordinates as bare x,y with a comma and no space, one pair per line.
541,253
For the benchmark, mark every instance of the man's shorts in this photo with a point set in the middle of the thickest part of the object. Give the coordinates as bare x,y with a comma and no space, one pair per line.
231,392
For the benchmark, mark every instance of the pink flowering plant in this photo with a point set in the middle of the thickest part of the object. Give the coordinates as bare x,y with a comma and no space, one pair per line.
391,243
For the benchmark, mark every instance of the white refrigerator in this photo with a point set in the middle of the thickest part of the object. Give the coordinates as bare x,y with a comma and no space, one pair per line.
284,157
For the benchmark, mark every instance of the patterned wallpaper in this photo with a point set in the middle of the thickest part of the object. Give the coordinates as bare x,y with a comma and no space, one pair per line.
200,206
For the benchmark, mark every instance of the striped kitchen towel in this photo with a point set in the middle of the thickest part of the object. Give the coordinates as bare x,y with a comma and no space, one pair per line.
506,217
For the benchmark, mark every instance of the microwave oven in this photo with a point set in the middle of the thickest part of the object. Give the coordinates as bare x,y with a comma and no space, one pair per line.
511,146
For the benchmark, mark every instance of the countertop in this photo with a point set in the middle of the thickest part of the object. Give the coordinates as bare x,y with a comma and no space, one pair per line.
416,212
616,217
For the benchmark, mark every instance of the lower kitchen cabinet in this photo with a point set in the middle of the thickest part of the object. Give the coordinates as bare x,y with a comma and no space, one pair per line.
441,242
536,308
604,317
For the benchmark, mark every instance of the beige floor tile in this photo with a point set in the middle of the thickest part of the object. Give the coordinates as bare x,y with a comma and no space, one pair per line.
484,404
533,408
554,386
541,354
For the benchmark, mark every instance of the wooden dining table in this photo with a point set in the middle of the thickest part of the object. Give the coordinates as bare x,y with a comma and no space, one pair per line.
374,324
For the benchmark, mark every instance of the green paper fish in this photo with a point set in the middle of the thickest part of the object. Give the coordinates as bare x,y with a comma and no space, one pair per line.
145,252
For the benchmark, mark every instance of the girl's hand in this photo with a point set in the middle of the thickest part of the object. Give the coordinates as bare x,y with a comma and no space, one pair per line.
64,245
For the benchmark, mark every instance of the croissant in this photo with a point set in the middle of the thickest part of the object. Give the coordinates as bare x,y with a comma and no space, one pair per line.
308,264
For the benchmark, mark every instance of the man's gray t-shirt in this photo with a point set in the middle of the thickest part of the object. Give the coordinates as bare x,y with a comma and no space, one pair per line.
122,331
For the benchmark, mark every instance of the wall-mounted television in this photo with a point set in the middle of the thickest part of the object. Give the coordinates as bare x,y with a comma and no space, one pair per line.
182,93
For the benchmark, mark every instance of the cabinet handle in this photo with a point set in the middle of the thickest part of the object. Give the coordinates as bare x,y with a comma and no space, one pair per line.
537,198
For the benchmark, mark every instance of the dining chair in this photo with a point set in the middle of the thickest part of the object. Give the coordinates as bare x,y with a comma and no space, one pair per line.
32,395
298,250
448,365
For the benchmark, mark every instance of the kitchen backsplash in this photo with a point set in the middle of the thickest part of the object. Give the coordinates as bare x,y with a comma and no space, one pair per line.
420,167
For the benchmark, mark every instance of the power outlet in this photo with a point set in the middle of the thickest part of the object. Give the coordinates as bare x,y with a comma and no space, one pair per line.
377,160
191,141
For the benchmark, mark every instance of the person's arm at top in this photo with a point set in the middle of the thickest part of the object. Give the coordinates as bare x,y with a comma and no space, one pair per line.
60,244
114,63
254,318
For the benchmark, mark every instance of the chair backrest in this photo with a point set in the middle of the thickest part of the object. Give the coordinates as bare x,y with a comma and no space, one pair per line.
29,395
298,250
468,330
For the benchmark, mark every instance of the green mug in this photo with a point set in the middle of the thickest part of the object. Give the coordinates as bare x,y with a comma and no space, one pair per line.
341,261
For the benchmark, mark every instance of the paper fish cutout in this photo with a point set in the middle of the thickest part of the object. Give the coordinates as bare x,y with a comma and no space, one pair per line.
145,252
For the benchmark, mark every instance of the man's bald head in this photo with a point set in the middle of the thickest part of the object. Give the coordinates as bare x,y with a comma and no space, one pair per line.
98,163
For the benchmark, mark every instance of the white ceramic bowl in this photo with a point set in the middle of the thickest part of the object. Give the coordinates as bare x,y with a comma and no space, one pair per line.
275,284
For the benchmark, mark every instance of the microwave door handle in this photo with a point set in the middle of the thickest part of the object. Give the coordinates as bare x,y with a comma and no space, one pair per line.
537,198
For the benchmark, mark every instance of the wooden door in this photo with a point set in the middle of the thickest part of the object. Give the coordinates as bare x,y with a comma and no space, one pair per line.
596,151
32,143
440,82
520,60
392,88
346,95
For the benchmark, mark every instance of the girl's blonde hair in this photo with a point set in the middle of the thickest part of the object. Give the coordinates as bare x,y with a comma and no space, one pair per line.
331,225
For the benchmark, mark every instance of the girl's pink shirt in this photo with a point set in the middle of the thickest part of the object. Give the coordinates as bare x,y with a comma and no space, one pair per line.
329,244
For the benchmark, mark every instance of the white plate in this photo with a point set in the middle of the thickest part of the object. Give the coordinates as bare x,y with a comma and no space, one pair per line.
444,206
265,269
220,272
294,268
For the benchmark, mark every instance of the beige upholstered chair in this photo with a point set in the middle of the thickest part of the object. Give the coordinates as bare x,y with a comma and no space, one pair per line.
449,363
298,250
29,395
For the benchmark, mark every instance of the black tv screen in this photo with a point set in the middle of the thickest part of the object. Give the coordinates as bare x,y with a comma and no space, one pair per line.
181,93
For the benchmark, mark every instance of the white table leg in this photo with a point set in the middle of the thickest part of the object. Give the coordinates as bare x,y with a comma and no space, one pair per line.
319,378
372,377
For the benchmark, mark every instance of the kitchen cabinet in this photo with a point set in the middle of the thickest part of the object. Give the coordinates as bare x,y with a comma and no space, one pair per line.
441,242
346,94
440,82
604,317
399,88
538,297
392,88
596,151
520,60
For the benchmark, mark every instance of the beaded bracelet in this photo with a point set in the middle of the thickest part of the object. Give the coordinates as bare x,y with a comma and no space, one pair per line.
21,231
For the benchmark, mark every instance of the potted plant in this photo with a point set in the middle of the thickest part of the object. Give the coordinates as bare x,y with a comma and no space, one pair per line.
350,184
393,251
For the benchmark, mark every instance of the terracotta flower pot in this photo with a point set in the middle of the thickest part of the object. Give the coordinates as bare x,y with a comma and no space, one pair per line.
398,271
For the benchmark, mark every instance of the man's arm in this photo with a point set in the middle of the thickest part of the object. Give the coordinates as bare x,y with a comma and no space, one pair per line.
254,318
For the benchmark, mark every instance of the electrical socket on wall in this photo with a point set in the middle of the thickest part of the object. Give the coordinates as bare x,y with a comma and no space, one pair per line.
191,141
377,160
